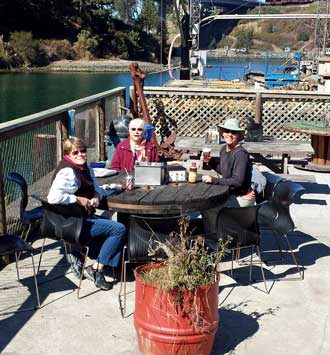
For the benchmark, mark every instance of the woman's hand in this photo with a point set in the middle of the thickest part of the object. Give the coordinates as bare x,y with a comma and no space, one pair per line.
94,202
83,201
207,179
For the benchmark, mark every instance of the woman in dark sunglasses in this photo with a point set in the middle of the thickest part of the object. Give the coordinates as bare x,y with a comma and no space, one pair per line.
136,148
235,168
74,182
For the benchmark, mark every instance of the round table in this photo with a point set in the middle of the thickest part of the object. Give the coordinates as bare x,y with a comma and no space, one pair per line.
167,199
320,140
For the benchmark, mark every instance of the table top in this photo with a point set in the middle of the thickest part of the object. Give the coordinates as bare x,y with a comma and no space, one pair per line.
264,147
314,128
166,199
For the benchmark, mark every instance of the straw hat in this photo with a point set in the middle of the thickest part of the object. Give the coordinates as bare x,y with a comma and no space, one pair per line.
232,124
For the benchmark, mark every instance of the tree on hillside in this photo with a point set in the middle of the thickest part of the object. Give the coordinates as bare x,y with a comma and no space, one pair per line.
44,18
127,10
149,18
245,38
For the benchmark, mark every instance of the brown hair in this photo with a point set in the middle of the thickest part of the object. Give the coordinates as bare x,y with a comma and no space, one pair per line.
73,142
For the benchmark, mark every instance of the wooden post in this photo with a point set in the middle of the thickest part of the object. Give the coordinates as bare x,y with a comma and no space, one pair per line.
3,226
45,155
258,113
100,130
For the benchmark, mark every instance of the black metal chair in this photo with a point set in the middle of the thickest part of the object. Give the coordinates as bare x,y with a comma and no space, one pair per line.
64,223
12,244
277,218
143,234
31,218
239,228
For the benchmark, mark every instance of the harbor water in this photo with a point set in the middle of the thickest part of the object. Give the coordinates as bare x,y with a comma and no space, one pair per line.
22,94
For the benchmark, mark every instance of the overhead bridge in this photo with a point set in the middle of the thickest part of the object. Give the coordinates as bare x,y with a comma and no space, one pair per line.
240,3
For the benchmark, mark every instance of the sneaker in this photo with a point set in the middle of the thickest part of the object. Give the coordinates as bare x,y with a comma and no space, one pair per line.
98,278
76,264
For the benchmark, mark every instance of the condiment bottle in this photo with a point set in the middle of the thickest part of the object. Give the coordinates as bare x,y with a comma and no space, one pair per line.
192,176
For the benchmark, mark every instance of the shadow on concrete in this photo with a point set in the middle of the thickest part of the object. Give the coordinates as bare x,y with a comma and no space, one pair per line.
53,282
307,251
236,326
312,188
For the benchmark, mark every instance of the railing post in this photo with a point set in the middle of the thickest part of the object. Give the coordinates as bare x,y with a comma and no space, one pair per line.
100,128
3,226
62,133
258,113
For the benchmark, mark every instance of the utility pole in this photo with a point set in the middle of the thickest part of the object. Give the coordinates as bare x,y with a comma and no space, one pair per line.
322,29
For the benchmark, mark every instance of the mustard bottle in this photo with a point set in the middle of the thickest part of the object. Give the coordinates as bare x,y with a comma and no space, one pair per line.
192,175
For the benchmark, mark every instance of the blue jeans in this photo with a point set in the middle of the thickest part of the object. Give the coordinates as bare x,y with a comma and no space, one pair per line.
109,234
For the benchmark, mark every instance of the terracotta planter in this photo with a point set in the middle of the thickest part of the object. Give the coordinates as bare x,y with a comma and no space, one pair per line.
170,323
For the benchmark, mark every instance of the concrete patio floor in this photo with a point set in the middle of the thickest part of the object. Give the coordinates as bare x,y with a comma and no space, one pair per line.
293,319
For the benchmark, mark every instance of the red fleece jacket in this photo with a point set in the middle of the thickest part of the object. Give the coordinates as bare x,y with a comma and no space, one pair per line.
124,158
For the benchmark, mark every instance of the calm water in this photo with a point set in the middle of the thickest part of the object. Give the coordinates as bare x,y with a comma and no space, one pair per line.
25,94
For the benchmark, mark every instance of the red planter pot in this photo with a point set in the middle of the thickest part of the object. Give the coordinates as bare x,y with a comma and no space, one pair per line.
164,325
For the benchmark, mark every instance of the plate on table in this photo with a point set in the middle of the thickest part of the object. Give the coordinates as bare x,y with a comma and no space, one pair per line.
103,172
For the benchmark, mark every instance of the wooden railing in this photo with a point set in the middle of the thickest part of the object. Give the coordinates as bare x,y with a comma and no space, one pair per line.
195,109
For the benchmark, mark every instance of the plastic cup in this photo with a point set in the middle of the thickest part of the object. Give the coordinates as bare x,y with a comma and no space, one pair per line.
206,155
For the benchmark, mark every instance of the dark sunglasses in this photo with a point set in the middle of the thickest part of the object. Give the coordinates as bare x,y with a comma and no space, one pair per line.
81,151
229,131
136,129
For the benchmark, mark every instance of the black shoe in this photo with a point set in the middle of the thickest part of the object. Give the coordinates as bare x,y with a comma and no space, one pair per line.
98,278
76,264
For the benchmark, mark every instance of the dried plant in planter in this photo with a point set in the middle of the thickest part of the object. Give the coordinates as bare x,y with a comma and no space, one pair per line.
190,263
176,302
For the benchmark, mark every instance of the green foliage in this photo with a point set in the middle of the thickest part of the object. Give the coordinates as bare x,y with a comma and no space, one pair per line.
245,38
86,45
126,9
24,46
58,49
148,18
303,36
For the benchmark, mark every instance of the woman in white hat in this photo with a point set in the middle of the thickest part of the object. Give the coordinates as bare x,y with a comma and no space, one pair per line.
235,168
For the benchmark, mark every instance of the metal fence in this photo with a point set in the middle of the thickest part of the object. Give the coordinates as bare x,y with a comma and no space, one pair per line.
32,145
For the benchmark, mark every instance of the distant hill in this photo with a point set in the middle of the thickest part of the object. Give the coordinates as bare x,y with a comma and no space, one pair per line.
274,35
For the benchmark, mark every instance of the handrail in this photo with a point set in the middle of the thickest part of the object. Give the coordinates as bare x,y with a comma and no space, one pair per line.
53,112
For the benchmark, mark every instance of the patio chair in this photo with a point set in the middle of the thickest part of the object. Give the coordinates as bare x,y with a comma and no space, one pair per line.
143,234
31,218
276,217
239,228
64,223
13,244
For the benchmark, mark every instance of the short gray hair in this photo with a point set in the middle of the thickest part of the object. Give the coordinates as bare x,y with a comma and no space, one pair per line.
139,122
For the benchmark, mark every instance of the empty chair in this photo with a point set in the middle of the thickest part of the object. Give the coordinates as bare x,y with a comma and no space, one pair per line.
143,234
30,218
281,194
12,244
239,228
276,215
64,223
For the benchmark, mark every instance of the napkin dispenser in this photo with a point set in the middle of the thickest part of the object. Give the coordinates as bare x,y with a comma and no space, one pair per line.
149,174
176,173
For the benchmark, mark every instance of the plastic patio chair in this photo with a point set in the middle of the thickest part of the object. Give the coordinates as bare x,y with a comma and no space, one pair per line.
31,218
64,223
239,228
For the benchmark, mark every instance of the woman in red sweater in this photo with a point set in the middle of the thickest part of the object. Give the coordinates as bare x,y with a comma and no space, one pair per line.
135,148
